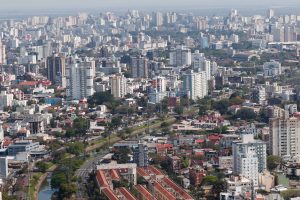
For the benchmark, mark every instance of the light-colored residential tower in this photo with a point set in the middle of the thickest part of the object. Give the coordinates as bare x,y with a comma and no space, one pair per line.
80,78
195,84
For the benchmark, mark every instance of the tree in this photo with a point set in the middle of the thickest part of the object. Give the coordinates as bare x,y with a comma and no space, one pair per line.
99,98
116,122
178,110
57,179
122,155
75,148
42,166
273,162
81,125
221,106
245,114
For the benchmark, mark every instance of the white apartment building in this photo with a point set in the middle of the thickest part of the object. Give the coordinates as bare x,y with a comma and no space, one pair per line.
195,84
80,78
180,56
118,86
284,136
249,157
200,63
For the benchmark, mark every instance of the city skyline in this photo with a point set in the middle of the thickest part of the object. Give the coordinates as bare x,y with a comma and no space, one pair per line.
7,5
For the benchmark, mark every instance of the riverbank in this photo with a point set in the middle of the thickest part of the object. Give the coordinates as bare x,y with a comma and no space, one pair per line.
36,188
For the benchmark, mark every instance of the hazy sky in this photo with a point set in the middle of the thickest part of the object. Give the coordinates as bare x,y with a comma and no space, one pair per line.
125,4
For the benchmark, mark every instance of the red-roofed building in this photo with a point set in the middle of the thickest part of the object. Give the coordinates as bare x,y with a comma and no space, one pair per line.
126,194
162,193
109,194
162,149
101,179
28,83
144,194
180,192
156,171
141,172
114,175
214,139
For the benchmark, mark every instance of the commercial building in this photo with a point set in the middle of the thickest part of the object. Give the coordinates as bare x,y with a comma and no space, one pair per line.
22,146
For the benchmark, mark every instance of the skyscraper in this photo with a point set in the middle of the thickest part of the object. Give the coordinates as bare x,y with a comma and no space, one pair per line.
249,157
80,75
56,69
195,84
139,67
118,86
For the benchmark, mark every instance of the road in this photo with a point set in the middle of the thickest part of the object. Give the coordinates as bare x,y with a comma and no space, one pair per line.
84,171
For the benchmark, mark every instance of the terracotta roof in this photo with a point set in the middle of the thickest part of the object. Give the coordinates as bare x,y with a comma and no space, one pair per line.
154,170
126,193
28,83
114,174
177,188
166,146
158,187
144,192
100,176
199,141
110,194
141,172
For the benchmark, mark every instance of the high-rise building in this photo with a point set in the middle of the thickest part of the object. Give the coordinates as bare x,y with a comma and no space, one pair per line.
139,67
259,95
180,56
56,69
270,13
3,167
284,135
195,84
200,63
118,86
140,155
249,157
1,132
79,76
2,54
158,19
158,90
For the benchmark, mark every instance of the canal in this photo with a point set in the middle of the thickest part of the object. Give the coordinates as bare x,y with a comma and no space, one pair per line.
46,191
